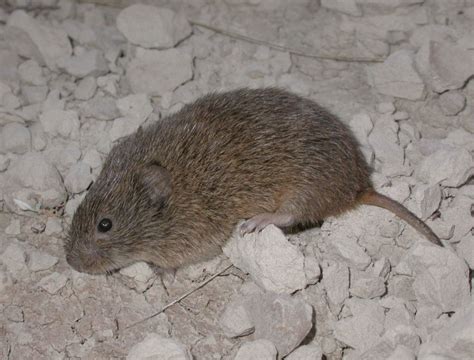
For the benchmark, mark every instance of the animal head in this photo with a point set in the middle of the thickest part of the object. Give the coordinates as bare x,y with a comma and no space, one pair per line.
122,211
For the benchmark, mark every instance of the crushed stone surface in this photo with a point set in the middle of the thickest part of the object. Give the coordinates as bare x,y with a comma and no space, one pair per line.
76,76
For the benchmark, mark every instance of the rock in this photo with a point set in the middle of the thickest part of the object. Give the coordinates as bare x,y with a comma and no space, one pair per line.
306,352
155,72
80,32
135,106
155,346
452,103
7,98
53,226
465,250
14,259
64,123
34,40
350,251
64,156
272,262
444,66
4,162
31,73
441,278
401,115
453,341
381,268
402,353
361,125
384,141
100,107
257,349
397,76
386,108
78,178
364,328
429,198
86,88
336,282
153,27
235,321
429,32
448,166
92,158
403,335
8,71
72,204
53,282
135,109
349,7
141,274
86,63
39,261
14,313
41,180
34,94
15,138
365,286
14,228
282,319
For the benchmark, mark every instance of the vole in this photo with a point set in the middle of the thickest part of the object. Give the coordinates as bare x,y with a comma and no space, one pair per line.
172,193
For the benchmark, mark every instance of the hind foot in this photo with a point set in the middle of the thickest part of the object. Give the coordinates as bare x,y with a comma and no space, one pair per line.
260,221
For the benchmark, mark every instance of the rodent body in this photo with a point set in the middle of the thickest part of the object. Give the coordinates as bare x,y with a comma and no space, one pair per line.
174,192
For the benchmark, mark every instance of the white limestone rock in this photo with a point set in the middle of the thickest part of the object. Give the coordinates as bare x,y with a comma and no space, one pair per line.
39,261
272,262
53,283
15,138
101,107
33,180
78,178
349,7
429,198
235,321
14,259
441,278
141,274
86,88
155,346
452,103
453,341
336,283
449,166
364,328
396,76
153,27
34,40
282,319
53,226
64,123
156,72
31,73
258,349
444,66
306,352
85,63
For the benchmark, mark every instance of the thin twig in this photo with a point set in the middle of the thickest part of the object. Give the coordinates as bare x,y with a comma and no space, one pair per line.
238,36
185,295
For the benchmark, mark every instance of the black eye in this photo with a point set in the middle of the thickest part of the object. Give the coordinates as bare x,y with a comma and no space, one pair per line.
104,225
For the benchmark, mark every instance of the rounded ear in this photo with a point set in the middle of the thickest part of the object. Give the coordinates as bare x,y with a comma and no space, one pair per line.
157,182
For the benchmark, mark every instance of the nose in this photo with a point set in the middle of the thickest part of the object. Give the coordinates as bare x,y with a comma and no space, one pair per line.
74,262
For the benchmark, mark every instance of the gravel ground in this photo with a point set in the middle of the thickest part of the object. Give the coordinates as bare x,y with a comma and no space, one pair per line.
77,76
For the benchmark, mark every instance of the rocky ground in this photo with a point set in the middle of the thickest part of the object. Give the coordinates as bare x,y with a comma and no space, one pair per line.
75,77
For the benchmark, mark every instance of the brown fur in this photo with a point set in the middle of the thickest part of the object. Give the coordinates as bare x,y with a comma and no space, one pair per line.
227,156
